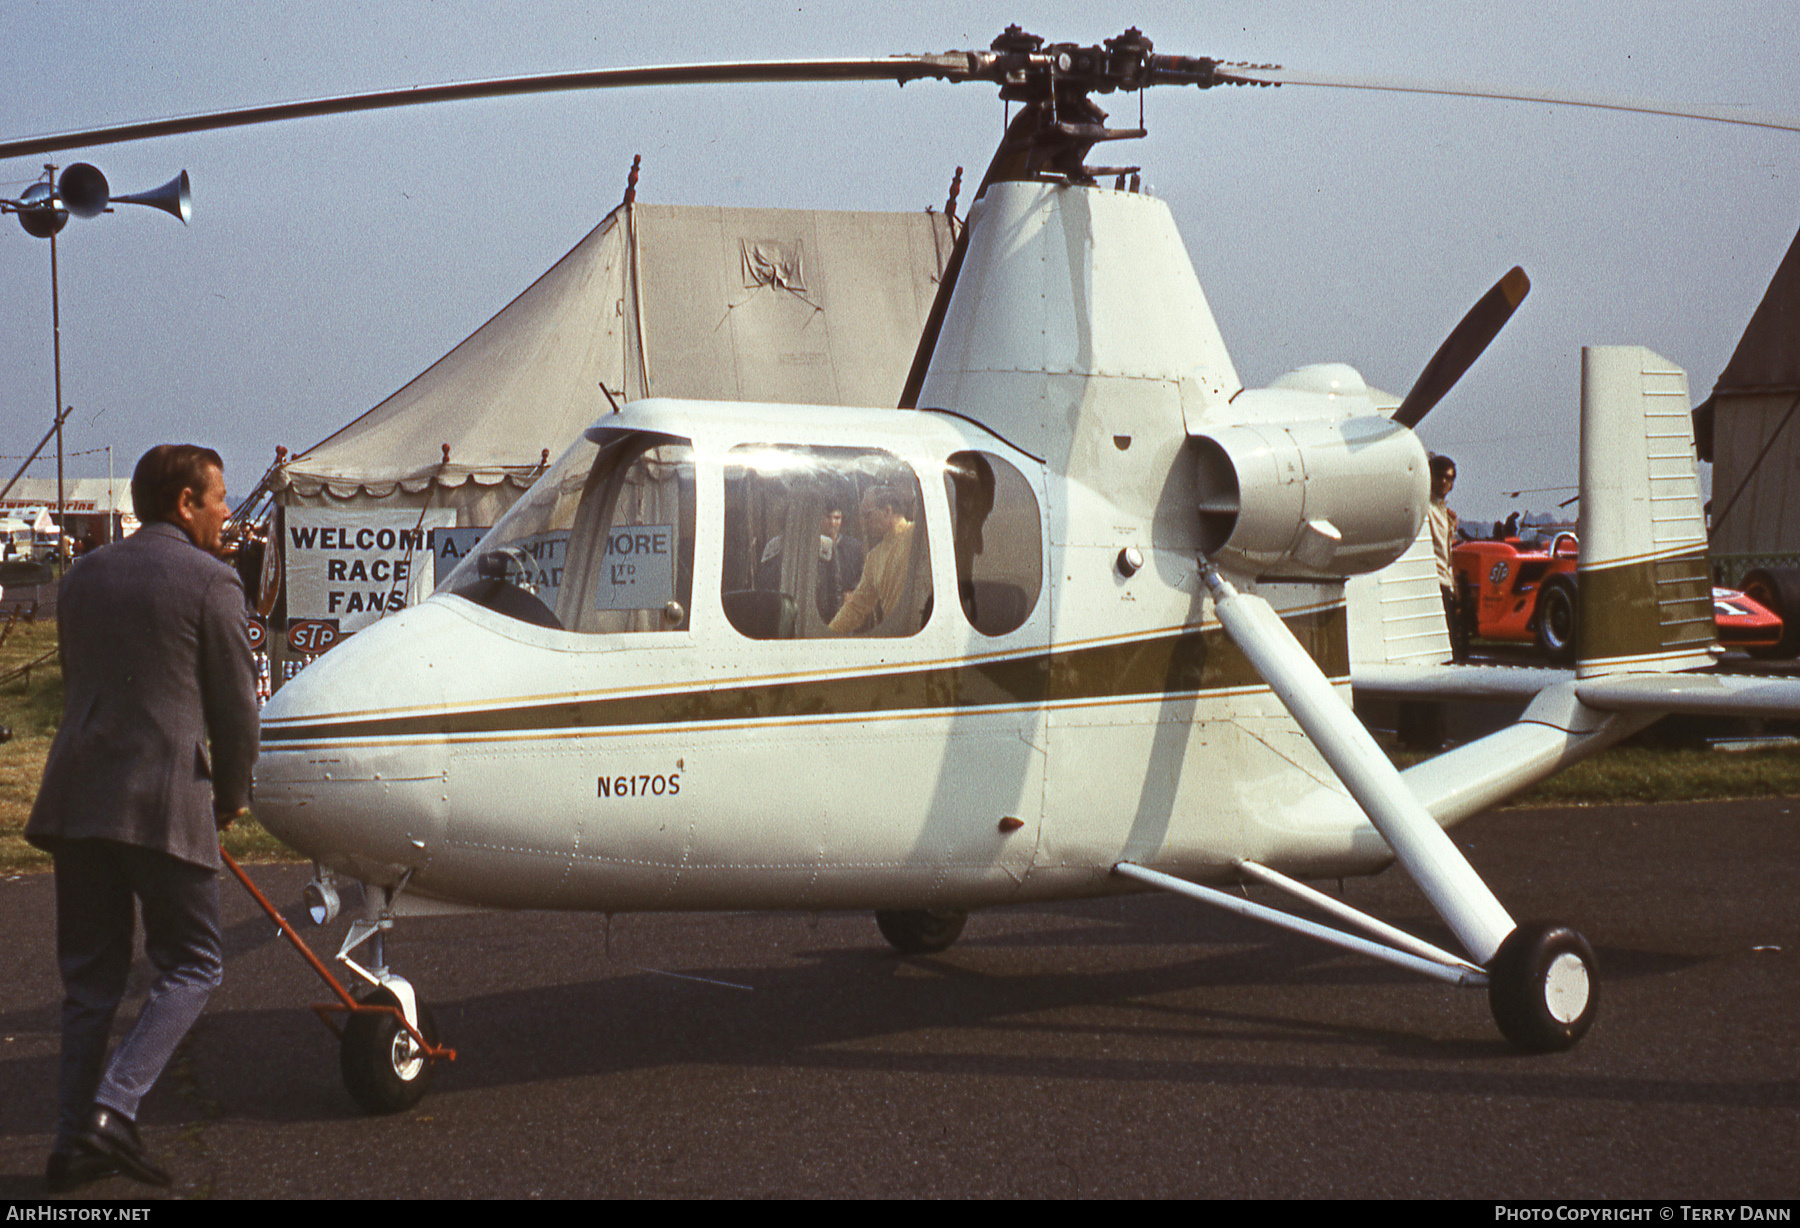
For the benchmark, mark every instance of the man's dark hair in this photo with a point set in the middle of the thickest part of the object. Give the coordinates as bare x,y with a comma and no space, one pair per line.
1440,465
164,472
893,498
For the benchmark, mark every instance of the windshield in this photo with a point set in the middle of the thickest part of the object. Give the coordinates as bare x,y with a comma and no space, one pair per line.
602,543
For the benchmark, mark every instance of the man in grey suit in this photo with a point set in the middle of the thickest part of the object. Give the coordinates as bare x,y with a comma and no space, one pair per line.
153,759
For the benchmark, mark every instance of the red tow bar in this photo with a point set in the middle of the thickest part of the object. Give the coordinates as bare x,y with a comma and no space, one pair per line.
345,1003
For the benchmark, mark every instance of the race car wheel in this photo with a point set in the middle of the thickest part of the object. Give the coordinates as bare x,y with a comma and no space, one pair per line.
1558,619
1777,589
920,931
1543,987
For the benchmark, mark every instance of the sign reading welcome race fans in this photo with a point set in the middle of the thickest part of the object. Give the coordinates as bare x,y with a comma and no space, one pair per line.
346,568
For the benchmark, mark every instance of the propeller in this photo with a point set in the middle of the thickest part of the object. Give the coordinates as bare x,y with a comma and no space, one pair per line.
1463,346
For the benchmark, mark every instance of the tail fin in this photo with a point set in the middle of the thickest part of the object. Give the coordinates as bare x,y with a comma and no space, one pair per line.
1646,591
1397,614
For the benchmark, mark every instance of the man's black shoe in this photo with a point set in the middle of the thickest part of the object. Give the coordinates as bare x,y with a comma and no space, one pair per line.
70,1170
109,1134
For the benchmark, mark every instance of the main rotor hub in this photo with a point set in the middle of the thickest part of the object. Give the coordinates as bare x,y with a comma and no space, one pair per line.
1029,71
1055,81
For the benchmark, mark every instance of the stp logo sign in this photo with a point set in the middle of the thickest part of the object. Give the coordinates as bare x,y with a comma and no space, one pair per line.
258,634
313,635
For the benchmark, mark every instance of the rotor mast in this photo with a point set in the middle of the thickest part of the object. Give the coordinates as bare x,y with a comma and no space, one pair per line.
1058,126
1069,320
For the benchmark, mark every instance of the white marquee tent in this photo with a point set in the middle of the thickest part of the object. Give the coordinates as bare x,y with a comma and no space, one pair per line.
1746,429
658,300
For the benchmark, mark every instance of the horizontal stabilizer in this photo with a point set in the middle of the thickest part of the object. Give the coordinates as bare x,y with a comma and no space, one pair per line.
1706,694
1453,682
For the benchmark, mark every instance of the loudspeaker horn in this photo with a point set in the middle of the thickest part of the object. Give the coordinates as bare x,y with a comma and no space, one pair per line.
173,197
83,190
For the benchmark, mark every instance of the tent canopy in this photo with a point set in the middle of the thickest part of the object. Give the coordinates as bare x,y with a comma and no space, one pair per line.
1766,357
1746,427
658,300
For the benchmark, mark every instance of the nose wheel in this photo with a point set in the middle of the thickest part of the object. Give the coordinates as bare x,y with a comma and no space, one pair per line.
386,1070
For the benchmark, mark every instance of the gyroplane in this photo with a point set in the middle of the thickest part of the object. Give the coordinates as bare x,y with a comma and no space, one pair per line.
1095,638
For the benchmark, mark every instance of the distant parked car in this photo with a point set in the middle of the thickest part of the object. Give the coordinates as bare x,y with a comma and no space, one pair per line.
1512,591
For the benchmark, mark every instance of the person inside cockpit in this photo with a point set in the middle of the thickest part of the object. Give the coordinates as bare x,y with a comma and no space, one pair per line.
888,567
840,562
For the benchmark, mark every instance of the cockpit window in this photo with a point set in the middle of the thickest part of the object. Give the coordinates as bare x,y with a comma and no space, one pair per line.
998,535
602,544
823,542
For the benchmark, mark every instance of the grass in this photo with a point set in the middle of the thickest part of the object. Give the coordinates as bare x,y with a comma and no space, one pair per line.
32,708
1627,774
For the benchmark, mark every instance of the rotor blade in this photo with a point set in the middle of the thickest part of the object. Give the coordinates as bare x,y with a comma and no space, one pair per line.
1470,89
952,66
1463,346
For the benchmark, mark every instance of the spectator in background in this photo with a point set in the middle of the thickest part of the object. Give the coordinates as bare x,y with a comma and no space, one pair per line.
1443,537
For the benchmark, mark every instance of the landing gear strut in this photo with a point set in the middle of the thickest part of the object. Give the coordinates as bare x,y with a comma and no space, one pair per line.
389,1044
1540,977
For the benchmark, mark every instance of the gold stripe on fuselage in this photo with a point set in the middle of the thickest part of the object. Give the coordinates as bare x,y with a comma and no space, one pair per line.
1192,662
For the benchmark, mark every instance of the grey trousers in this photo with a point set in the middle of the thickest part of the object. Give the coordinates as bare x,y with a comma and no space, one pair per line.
96,883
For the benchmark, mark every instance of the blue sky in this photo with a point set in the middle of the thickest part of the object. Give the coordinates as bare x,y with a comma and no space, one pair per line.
331,260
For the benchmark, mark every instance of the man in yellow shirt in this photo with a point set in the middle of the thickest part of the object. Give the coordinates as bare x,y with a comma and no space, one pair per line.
889,563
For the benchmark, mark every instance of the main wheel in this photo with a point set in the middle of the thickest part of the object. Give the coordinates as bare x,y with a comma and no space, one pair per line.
384,1068
1558,619
920,931
1543,987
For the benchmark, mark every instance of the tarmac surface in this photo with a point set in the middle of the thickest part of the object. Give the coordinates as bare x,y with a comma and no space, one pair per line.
1132,1046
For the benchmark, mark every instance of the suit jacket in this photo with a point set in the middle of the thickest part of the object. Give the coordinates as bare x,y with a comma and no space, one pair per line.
156,665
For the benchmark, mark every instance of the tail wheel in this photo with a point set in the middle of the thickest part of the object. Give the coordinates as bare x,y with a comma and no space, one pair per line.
1543,987
384,1068
920,931
1558,619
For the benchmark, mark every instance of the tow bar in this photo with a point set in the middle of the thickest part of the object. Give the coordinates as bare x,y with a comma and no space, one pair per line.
345,1003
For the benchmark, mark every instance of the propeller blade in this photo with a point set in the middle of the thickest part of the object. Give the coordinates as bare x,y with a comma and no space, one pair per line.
952,66
1463,346
1274,75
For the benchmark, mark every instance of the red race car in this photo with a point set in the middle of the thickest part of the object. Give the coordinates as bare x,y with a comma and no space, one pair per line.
1516,592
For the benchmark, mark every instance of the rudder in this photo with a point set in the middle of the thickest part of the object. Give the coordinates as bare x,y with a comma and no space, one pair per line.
1646,589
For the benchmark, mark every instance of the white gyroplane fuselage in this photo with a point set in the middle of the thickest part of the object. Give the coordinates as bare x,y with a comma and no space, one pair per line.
716,744
1076,625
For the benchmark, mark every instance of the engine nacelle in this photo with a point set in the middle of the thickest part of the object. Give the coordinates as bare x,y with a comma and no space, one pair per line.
1325,498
